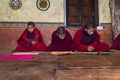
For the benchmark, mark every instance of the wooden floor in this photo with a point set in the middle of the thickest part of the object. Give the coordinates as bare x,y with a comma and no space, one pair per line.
78,66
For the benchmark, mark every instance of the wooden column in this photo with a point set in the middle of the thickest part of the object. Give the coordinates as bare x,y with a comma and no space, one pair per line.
115,15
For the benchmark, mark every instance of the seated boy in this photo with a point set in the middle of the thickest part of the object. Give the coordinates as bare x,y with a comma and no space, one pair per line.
87,39
61,41
30,40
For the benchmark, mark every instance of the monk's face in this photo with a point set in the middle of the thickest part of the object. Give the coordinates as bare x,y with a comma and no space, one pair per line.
61,36
30,28
90,31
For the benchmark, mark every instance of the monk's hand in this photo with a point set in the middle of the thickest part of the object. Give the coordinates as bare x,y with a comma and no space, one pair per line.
90,48
34,42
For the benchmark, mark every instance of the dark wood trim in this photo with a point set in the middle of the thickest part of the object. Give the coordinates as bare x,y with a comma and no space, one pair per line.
94,4
96,13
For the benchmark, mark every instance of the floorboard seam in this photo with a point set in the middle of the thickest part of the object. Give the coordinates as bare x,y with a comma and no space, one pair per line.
57,68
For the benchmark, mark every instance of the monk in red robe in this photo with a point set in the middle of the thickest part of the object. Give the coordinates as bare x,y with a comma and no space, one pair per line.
61,41
116,43
30,40
87,39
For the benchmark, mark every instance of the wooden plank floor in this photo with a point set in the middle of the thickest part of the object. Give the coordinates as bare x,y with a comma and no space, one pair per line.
76,66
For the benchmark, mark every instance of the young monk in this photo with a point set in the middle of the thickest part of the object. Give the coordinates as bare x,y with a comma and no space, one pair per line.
30,40
116,43
87,39
61,41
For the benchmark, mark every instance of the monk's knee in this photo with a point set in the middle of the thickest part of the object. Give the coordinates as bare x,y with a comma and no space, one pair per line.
102,47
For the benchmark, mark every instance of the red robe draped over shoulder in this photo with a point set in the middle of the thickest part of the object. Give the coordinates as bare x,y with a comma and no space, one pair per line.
116,43
58,44
98,46
23,42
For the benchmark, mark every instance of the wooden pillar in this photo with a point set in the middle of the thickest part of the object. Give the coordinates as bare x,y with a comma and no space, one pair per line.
115,15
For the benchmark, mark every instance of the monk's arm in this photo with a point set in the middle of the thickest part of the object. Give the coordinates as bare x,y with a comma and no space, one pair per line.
116,43
24,37
54,38
77,40
83,47
68,40
38,36
94,44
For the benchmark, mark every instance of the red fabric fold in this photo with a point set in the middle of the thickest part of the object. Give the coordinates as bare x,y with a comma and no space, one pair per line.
116,43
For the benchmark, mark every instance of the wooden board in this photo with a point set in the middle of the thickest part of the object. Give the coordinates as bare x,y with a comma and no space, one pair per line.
89,74
21,53
68,67
62,53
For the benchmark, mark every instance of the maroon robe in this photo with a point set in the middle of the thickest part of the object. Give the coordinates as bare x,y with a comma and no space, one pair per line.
24,42
116,43
58,44
82,42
